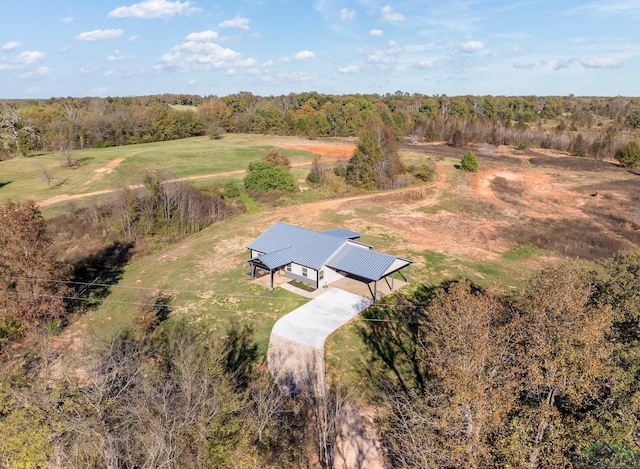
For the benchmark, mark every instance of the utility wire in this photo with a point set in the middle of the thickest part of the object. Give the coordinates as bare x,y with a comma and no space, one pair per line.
132,303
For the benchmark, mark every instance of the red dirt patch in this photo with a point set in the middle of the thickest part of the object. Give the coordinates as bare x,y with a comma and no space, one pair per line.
332,152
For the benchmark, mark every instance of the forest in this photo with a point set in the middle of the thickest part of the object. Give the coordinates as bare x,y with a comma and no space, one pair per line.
594,127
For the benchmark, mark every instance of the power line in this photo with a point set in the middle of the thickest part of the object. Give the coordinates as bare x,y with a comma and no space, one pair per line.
126,287
132,303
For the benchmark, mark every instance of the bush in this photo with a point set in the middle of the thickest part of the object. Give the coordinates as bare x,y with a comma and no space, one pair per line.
313,178
276,159
426,171
629,155
263,176
469,162
521,146
231,189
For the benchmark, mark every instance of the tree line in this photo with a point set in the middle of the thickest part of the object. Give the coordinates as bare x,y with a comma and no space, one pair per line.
584,126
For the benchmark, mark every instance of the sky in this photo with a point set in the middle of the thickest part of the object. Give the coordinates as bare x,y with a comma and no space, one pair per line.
57,48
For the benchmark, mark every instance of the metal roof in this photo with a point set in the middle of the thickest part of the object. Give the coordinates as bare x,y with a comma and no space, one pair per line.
309,248
276,259
362,262
342,233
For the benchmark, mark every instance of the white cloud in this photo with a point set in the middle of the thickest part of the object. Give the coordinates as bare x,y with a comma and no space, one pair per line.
524,66
386,56
30,57
515,50
99,35
376,32
391,16
133,38
116,57
99,91
304,55
65,49
151,9
284,60
589,63
203,36
297,76
87,70
601,62
9,46
40,72
199,56
346,15
471,46
192,82
236,22
268,63
67,20
350,69
426,63
34,89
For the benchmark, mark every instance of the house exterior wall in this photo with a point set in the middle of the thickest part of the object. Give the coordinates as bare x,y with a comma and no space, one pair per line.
296,274
330,276
256,253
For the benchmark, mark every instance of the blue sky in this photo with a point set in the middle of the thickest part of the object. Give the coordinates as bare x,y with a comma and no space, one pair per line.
272,47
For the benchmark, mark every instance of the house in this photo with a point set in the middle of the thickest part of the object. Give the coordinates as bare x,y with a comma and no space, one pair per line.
321,258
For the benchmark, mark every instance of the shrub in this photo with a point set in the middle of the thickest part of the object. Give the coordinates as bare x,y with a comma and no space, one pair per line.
276,159
521,146
263,176
629,155
426,171
469,162
231,189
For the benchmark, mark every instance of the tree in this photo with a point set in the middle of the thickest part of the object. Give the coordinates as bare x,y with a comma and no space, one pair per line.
629,155
564,363
32,286
634,119
15,132
376,162
469,162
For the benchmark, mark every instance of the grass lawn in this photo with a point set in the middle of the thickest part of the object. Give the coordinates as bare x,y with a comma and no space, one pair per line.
209,283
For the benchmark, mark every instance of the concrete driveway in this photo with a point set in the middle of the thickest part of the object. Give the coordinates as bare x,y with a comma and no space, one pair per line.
312,323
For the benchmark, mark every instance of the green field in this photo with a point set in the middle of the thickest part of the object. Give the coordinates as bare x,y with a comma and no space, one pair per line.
23,178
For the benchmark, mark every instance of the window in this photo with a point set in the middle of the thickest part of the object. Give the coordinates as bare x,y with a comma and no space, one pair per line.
304,272
288,268
321,275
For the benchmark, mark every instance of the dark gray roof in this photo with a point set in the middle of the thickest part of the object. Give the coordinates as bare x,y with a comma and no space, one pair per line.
362,262
309,248
342,233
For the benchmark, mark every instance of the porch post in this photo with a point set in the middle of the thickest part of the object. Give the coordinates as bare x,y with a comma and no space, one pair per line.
409,273
375,291
393,277
253,272
271,273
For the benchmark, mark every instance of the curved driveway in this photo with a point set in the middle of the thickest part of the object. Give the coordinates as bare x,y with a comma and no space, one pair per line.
312,323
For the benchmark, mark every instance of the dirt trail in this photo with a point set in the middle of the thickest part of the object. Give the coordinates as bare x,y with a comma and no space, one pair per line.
329,154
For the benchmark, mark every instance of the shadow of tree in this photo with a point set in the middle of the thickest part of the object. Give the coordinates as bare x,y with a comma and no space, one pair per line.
2,184
240,354
391,333
96,273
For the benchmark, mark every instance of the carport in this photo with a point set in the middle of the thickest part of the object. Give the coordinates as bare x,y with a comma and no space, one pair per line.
369,266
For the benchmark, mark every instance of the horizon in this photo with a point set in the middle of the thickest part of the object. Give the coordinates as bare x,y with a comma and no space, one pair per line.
278,47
